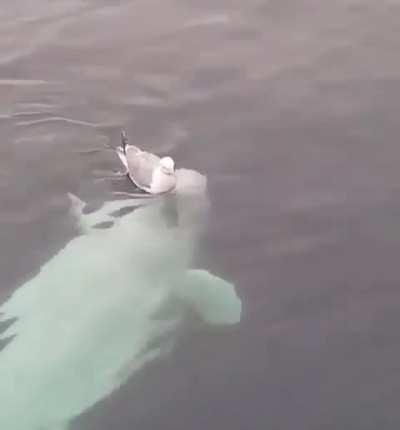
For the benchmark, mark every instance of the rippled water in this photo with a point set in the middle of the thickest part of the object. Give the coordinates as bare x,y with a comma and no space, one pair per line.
291,110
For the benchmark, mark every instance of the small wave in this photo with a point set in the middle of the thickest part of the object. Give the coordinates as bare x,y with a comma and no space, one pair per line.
217,19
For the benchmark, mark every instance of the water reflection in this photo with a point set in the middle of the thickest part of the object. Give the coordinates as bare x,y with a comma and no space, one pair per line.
112,300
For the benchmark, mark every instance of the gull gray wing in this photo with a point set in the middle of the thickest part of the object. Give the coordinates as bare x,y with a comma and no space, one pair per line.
141,166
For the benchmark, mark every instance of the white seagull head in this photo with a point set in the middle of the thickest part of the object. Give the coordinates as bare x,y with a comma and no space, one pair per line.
167,165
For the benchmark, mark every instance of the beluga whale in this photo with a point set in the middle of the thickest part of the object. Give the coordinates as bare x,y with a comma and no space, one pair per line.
93,315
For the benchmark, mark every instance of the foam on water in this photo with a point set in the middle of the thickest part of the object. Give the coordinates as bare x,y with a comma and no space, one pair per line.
93,316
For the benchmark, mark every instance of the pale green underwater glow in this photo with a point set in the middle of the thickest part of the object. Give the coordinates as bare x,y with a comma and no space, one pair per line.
94,314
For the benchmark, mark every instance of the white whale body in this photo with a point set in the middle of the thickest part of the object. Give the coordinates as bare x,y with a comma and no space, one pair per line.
93,316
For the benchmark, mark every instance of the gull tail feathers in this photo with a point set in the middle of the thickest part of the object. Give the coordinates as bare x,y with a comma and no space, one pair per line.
123,149
124,141
125,146
122,156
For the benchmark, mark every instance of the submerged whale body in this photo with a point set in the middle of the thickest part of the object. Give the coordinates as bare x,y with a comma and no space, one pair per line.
93,316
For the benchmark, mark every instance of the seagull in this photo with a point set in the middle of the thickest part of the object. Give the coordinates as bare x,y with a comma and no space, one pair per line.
147,171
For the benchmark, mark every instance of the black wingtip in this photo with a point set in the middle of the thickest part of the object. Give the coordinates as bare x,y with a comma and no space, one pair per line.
124,140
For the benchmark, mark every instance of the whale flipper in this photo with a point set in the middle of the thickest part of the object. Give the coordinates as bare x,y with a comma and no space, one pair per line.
212,298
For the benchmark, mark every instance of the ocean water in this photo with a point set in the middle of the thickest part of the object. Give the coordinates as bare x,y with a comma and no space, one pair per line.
290,320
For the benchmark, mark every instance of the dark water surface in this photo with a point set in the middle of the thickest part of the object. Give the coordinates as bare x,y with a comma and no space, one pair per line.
292,111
